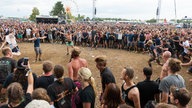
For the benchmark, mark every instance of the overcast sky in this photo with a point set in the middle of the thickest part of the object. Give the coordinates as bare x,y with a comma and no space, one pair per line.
129,9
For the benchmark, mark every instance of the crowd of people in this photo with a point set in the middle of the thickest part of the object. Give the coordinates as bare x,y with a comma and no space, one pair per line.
21,88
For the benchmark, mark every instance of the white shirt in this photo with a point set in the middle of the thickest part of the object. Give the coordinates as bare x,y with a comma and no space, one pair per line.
10,39
120,36
186,44
28,32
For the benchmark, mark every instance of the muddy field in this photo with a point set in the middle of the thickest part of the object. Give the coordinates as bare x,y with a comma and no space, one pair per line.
117,59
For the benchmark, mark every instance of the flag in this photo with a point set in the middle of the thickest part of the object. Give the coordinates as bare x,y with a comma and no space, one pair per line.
157,12
95,11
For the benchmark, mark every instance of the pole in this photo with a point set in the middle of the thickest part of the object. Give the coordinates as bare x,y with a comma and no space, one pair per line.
94,10
158,11
175,11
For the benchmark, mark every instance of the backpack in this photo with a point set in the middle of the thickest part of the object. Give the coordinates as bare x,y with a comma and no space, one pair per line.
5,69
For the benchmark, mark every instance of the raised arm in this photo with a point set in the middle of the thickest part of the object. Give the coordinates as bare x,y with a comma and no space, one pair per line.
30,80
3,44
32,38
43,37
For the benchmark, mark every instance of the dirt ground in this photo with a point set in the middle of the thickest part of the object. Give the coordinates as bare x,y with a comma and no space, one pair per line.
117,59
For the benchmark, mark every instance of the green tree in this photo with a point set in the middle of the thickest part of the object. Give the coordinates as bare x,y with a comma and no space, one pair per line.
151,21
35,12
58,9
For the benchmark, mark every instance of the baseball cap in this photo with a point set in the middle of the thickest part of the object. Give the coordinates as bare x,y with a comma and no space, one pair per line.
19,64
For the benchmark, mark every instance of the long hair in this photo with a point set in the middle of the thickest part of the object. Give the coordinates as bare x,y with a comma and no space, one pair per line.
112,96
174,65
15,93
86,75
20,76
91,81
41,94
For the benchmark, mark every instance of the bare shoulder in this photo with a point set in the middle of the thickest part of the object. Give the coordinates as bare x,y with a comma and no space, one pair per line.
134,91
83,61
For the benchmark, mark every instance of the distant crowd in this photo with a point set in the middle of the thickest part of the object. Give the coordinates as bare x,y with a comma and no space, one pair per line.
21,88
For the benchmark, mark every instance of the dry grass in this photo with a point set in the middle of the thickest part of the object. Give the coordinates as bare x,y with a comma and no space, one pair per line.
117,59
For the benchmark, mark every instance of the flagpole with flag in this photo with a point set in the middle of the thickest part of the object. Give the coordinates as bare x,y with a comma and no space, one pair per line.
94,10
158,11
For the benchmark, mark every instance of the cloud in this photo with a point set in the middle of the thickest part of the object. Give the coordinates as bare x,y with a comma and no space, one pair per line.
133,9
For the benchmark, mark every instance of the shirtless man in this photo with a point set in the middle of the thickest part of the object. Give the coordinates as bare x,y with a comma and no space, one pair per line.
75,64
69,41
164,70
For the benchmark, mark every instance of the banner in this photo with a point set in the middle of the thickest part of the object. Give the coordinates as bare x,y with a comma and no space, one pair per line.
157,12
95,11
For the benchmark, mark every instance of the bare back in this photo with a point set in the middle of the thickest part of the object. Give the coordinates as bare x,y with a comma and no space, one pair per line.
74,66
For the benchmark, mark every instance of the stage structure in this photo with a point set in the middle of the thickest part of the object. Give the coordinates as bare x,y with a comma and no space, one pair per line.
158,11
47,19
94,9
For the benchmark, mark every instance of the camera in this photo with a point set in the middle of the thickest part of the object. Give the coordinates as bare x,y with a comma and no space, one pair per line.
25,61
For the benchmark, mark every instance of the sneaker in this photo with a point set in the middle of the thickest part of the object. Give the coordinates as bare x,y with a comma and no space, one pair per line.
40,60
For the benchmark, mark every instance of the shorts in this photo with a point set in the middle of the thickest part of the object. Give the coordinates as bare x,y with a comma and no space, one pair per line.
37,50
50,36
15,49
19,36
69,43
119,41
183,54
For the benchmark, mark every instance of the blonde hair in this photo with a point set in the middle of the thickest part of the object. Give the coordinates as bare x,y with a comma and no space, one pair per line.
86,75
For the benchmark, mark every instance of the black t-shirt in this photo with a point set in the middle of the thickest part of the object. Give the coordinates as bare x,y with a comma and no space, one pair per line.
12,66
26,100
142,37
45,81
85,35
13,62
87,95
106,77
169,48
56,88
176,43
147,90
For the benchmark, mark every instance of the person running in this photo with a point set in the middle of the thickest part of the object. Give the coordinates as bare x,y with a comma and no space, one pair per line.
153,52
11,40
37,41
69,41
